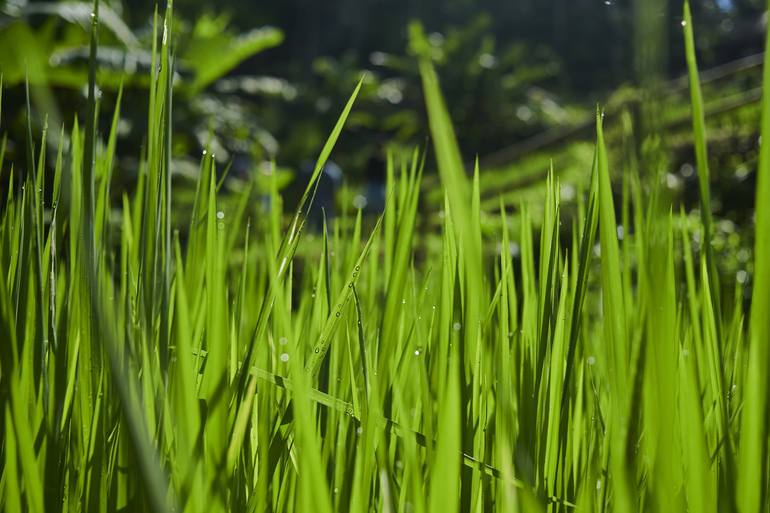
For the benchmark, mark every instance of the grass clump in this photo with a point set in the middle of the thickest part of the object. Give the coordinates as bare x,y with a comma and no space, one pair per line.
220,367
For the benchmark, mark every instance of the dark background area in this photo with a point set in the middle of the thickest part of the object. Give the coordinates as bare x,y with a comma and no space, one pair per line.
265,81
509,69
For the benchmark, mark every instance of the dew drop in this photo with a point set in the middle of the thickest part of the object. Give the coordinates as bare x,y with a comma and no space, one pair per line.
284,357
456,326
283,341
591,360
359,201
220,215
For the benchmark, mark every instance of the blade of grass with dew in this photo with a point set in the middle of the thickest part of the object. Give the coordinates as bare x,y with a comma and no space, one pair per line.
313,365
701,154
291,238
451,171
615,335
98,311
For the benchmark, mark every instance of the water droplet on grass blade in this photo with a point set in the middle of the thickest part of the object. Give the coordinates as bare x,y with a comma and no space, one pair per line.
487,60
673,182
360,201
378,58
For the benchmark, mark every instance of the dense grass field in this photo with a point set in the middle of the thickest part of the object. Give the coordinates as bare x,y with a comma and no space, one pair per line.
239,362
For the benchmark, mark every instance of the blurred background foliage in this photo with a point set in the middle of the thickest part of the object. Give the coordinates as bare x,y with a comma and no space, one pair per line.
258,82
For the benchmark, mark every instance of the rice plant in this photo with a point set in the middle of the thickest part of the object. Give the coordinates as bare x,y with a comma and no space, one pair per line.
237,362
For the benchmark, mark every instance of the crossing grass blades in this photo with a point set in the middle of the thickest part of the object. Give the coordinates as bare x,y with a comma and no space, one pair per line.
226,367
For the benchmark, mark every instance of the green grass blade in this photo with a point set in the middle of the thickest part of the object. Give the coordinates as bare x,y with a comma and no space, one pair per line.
753,453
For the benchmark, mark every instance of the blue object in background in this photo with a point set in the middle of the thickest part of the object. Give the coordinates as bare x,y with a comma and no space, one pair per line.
329,183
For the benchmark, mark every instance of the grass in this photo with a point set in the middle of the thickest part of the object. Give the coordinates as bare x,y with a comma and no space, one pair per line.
233,365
